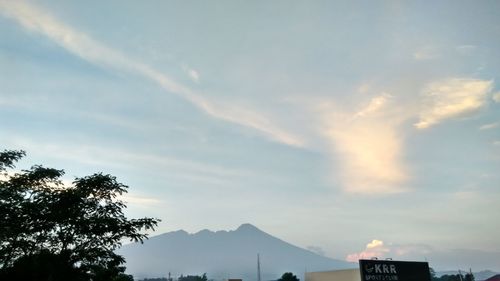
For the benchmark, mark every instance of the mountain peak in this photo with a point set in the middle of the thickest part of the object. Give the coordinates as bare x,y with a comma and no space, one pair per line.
204,232
248,228
221,254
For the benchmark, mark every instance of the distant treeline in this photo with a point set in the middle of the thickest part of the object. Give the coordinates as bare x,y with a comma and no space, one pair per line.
181,278
454,277
451,277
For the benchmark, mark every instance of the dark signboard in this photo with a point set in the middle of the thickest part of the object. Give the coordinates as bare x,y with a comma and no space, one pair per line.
389,270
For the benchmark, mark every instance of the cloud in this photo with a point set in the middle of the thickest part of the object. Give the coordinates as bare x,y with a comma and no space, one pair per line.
466,49
452,98
80,44
368,146
375,104
425,53
140,201
374,249
375,244
193,74
489,126
163,166
379,249
496,97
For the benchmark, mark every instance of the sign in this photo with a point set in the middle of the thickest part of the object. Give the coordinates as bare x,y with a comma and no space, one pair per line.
389,270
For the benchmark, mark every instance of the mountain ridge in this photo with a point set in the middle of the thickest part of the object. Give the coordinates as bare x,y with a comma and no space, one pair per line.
222,254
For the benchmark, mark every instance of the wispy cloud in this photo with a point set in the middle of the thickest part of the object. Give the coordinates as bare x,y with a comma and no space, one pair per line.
166,166
375,104
425,53
466,49
496,97
192,73
140,201
489,126
80,44
452,98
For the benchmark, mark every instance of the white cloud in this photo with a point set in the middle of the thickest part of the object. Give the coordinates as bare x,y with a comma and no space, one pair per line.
379,249
452,98
192,73
82,45
489,126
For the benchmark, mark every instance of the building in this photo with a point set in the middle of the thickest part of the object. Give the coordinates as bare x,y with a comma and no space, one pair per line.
335,275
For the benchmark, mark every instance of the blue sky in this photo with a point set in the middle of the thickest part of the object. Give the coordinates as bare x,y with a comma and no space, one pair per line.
361,128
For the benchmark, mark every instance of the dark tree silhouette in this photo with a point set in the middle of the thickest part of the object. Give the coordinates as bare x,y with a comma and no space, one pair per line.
288,276
51,231
453,277
193,277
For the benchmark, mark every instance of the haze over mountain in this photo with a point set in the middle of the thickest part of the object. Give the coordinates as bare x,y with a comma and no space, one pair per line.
222,254
479,276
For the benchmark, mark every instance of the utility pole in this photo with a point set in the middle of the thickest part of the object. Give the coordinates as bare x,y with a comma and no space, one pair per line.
258,267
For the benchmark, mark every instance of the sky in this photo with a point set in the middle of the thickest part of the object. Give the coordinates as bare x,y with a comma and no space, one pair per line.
354,129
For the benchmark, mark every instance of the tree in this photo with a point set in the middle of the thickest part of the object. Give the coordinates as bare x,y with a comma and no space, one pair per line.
432,273
469,277
456,277
193,277
51,231
288,276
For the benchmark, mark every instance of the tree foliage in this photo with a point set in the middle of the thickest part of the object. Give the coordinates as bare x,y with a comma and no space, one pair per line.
455,277
193,277
53,229
451,277
288,276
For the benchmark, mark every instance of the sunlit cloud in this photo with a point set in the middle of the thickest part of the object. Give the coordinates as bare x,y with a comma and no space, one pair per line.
379,249
368,147
375,104
140,201
80,44
452,98
375,244
374,249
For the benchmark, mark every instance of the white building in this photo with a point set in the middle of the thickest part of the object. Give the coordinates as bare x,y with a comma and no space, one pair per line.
335,275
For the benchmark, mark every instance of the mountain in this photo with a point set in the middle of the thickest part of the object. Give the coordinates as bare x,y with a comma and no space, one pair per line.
222,255
478,276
